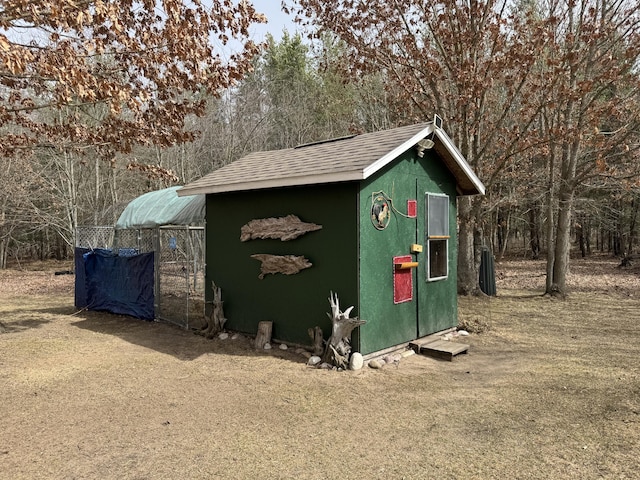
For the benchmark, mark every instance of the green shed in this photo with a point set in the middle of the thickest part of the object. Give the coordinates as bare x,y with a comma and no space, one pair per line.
371,217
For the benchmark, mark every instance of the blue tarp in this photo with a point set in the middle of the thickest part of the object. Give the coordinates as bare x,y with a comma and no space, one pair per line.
116,284
81,280
81,298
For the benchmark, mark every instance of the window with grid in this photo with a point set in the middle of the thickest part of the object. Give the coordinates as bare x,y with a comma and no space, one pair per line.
437,223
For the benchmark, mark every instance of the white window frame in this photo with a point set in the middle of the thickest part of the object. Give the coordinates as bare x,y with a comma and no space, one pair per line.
433,237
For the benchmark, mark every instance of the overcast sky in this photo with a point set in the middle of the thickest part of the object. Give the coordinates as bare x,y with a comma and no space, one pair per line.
277,20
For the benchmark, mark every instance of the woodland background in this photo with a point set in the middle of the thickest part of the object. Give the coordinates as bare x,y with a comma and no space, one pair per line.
102,101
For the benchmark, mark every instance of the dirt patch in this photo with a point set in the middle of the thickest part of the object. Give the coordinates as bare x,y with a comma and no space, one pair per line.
550,390
596,273
38,278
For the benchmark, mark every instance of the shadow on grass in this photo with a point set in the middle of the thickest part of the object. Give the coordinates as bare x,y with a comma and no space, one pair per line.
172,340
21,325
25,317
58,310
520,296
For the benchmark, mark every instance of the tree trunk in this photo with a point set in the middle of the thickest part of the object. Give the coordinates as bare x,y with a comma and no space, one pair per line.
5,236
618,235
587,236
499,231
3,253
534,232
504,229
551,239
633,233
467,266
580,235
557,286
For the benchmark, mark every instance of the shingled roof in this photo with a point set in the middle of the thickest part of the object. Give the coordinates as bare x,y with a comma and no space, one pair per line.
352,158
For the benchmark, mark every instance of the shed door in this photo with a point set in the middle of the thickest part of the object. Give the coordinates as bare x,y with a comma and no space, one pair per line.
415,301
436,303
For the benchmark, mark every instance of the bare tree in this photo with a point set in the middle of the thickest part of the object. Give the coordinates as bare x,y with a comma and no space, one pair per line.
589,106
470,62
89,80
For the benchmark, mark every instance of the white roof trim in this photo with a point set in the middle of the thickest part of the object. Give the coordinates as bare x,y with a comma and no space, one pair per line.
460,160
395,153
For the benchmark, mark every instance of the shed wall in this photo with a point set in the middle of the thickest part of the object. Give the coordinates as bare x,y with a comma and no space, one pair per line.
297,302
434,304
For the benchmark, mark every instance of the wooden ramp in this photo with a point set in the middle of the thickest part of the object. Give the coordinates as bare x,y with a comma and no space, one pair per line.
442,349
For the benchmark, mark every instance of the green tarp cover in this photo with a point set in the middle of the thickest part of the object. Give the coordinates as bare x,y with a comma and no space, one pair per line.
163,207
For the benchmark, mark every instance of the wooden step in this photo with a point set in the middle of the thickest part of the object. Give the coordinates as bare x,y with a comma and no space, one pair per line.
442,349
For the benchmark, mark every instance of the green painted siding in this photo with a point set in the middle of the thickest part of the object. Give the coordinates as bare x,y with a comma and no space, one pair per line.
387,324
438,300
434,304
349,255
293,302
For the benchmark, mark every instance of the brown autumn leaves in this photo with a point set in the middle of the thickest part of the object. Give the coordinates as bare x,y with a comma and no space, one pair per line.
102,75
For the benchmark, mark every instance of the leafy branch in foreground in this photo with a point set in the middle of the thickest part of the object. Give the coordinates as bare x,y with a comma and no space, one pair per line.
125,72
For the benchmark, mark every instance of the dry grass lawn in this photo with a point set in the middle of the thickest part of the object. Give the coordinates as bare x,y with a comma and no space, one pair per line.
551,390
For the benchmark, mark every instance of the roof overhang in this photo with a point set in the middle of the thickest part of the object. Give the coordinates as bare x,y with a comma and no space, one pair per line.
292,181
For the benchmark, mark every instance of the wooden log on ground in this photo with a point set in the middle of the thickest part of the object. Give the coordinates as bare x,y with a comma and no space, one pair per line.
317,340
264,334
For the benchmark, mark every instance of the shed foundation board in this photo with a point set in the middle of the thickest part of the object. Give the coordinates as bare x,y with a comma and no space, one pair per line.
413,345
443,349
